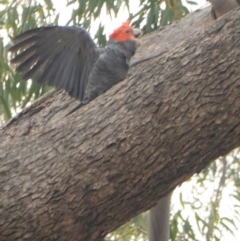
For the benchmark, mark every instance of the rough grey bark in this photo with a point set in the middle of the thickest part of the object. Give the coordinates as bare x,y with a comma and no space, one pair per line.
159,215
80,177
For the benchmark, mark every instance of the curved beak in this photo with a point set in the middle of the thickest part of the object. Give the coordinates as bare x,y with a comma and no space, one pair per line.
137,32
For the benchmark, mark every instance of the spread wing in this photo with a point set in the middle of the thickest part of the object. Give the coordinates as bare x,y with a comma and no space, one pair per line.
60,56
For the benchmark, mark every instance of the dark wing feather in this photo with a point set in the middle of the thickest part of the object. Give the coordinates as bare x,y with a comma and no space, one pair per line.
59,56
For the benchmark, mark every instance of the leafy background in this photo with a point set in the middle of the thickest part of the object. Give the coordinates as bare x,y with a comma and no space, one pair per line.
204,208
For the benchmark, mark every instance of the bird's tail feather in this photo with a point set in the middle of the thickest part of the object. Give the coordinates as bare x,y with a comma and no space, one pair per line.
75,108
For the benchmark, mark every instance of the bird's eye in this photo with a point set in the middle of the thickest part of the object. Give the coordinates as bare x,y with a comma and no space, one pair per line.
127,31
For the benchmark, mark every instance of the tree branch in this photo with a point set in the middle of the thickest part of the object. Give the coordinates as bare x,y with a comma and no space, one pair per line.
80,177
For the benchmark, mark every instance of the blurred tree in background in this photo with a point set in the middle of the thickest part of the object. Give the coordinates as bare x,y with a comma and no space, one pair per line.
206,207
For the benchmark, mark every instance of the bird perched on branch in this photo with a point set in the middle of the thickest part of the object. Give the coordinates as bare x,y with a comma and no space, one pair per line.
68,58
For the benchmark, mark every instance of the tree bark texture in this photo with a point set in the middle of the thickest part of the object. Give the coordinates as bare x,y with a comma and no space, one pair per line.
79,177
158,225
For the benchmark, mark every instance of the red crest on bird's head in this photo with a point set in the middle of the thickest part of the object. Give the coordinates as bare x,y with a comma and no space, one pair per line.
123,33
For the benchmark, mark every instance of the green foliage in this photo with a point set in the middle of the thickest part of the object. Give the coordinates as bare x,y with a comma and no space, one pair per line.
17,17
131,231
202,213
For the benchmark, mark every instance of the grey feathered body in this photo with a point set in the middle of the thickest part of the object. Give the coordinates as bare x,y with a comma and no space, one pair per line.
68,58
110,68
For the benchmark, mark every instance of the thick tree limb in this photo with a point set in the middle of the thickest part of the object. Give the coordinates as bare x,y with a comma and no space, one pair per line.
158,228
80,177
